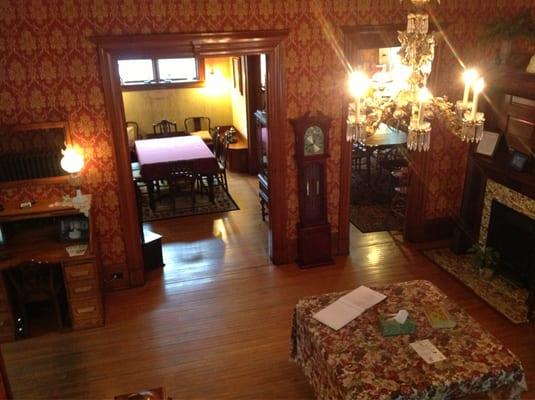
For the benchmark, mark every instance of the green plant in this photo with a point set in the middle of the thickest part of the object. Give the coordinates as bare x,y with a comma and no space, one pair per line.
521,25
484,257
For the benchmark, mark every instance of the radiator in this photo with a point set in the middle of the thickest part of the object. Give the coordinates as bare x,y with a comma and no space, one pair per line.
30,166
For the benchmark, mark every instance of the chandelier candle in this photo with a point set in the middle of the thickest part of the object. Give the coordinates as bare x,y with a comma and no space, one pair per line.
470,76
401,100
478,88
358,84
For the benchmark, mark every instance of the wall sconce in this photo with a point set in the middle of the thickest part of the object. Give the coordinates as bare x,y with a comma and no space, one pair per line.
73,162
216,83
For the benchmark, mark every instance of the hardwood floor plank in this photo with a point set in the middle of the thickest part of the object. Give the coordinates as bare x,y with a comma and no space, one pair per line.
215,322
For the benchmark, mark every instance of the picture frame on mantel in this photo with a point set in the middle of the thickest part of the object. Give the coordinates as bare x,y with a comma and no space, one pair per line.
518,161
488,144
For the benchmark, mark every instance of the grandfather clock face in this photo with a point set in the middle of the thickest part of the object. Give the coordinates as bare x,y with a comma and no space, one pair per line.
314,141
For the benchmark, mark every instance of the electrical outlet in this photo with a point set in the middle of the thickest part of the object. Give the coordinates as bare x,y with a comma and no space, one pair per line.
116,275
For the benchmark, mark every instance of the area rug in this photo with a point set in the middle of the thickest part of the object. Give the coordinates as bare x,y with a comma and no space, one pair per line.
223,202
502,295
370,204
373,218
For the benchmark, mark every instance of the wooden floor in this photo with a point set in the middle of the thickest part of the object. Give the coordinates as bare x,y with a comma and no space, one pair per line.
216,322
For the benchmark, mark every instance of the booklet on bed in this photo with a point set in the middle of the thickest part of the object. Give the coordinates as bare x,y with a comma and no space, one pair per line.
348,307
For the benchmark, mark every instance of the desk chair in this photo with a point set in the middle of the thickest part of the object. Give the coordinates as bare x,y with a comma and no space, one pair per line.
36,282
164,128
199,126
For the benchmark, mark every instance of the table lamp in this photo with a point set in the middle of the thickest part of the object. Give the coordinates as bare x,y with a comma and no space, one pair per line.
73,162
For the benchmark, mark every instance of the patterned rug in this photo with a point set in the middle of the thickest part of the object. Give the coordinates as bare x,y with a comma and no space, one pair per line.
370,204
502,295
223,202
373,218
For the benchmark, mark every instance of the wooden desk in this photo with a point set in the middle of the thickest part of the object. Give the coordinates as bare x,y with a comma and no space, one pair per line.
39,242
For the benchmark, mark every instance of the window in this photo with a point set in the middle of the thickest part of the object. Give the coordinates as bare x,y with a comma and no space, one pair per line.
185,71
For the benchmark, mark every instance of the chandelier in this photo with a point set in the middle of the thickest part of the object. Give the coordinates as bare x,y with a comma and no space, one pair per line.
400,97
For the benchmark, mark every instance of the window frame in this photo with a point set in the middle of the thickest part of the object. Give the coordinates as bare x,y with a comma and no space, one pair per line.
200,82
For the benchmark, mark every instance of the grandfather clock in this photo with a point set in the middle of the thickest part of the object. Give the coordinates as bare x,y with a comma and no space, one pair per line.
313,230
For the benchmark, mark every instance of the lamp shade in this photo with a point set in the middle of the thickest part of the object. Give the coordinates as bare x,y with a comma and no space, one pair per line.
72,161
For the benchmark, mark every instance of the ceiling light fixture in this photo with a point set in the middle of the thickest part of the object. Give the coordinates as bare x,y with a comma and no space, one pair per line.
403,100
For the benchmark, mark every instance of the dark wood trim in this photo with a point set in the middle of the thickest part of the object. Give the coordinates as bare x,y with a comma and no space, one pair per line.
5,388
111,48
163,86
51,180
375,36
278,134
414,214
127,204
252,72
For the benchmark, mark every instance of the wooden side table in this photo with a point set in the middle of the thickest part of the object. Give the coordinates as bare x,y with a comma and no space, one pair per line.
238,155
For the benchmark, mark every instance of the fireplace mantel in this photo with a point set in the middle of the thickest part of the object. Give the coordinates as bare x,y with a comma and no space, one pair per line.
479,170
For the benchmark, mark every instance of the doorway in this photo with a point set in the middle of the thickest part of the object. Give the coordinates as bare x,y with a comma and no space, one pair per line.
113,48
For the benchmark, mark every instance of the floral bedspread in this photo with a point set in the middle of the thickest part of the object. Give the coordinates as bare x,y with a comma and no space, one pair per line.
358,362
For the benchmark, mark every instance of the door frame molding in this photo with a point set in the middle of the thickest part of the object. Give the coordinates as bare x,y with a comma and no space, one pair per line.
111,48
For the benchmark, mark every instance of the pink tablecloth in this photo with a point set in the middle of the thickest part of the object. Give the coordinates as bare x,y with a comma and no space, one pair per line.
154,154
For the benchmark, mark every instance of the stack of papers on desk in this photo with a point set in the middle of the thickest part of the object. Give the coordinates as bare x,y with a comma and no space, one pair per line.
348,307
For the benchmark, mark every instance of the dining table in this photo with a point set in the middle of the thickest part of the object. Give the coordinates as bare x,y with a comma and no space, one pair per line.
155,155
384,138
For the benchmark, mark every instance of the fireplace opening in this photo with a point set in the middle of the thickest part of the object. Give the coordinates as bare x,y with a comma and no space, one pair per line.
512,234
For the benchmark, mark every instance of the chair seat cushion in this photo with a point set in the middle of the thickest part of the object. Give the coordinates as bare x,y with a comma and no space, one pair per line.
204,135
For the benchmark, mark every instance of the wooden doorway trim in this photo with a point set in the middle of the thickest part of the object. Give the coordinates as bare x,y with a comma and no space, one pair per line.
112,48
376,36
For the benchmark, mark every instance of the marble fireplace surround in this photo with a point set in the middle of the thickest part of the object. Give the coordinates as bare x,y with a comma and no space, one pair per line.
508,197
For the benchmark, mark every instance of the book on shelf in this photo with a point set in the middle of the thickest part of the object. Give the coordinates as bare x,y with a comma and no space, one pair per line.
439,317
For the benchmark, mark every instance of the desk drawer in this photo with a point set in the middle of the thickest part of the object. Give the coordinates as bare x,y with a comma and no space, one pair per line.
83,289
79,272
86,309
87,323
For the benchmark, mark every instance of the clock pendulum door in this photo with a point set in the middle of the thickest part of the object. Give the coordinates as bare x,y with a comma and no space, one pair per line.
313,230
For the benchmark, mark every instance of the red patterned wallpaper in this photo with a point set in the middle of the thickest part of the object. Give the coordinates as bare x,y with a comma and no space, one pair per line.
49,71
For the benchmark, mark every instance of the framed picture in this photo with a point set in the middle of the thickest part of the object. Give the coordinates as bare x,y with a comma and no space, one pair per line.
518,161
74,229
236,74
488,144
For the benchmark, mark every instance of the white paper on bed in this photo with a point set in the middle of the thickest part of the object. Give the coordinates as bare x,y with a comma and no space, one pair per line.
348,307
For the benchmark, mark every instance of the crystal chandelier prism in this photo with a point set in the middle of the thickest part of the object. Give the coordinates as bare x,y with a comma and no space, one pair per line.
408,105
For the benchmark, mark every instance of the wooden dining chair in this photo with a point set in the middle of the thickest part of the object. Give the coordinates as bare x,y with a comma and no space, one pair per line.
199,126
221,145
181,180
164,128
194,124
